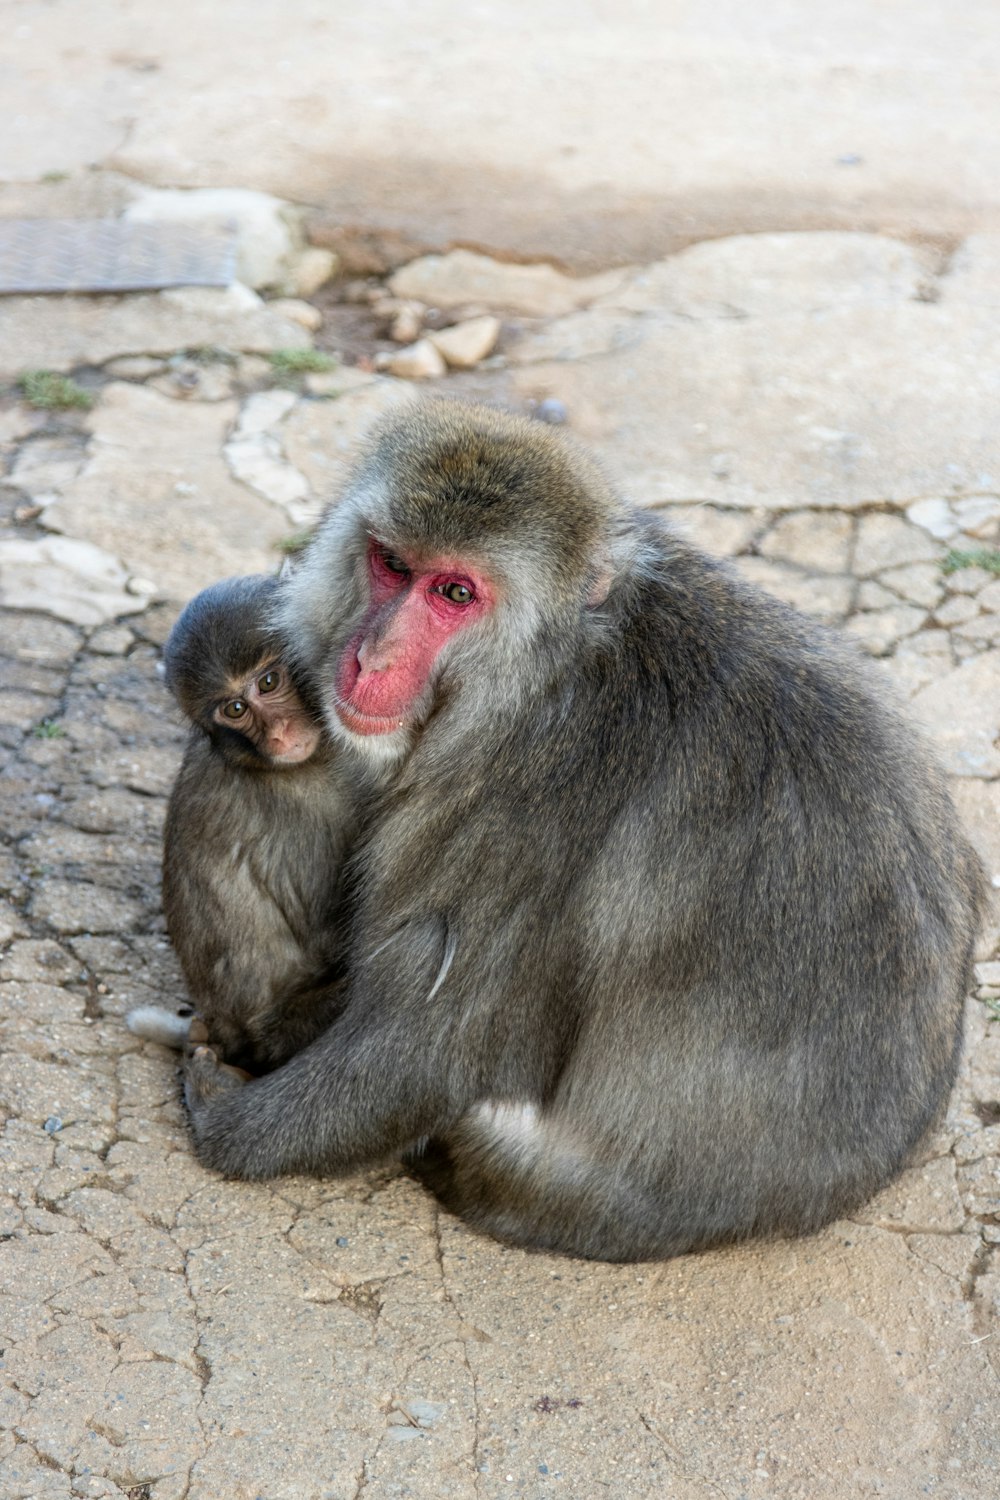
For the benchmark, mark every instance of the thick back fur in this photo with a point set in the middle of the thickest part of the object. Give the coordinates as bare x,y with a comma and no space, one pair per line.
664,924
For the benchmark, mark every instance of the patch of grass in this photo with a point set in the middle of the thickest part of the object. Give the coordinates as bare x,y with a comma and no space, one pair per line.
301,361
992,1008
987,558
54,177
296,541
47,730
48,391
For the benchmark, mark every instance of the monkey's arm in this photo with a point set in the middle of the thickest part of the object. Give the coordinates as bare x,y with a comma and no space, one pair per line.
360,1093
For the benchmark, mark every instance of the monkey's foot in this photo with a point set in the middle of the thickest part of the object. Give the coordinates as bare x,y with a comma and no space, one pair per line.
206,1079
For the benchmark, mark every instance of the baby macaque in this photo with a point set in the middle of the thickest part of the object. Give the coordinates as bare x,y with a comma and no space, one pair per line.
256,834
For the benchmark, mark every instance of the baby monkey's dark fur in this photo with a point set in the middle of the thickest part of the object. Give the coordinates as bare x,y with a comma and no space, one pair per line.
254,846
664,926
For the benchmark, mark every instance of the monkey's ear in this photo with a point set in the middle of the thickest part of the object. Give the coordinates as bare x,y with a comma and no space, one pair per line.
600,584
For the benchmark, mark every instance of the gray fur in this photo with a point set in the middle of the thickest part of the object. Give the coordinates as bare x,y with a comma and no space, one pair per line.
662,929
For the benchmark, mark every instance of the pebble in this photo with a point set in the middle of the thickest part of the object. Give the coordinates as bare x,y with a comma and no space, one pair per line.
311,269
465,344
299,312
552,411
52,1125
421,361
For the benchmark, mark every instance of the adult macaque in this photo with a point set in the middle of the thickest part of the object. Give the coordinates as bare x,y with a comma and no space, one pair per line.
257,828
662,927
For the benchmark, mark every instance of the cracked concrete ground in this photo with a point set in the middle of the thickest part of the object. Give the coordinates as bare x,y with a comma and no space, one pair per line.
818,406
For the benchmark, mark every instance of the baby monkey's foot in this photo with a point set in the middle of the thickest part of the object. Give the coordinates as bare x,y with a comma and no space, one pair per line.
206,1079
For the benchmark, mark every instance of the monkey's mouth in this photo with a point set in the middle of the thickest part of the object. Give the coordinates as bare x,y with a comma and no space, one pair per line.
360,723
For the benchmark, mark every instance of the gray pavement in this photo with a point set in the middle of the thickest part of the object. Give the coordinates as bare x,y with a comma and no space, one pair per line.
817,402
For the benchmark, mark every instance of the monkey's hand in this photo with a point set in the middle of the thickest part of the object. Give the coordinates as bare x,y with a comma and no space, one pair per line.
205,1079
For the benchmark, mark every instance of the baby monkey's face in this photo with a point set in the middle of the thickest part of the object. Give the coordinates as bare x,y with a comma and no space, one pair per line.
266,710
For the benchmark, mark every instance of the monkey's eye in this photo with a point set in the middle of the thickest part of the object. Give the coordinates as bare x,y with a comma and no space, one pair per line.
269,682
393,563
235,709
455,593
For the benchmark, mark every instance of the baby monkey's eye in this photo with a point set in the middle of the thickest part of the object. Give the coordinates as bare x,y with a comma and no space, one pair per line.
269,681
235,709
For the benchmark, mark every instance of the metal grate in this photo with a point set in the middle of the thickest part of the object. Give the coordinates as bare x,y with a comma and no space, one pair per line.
110,255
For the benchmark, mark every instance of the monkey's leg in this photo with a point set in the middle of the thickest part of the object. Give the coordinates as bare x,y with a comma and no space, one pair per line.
532,1182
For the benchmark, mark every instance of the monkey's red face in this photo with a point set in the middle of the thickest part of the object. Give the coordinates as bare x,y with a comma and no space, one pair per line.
414,609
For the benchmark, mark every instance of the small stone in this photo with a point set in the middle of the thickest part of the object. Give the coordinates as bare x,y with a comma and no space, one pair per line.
933,516
463,277
299,312
112,640
984,629
956,610
264,410
872,595
887,541
989,598
259,462
189,380
880,630
407,321
552,411
465,344
988,973
267,227
813,540
311,269
52,1125
919,583
421,361
144,587
968,580
46,466
978,516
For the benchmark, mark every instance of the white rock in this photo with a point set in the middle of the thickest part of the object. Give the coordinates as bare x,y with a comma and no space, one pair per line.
258,461
298,311
872,595
887,541
957,609
934,516
463,276
920,583
978,516
45,467
879,630
407,322
420,361
64,577
267,228
467,343
311,269
968,580
264,410
818,541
